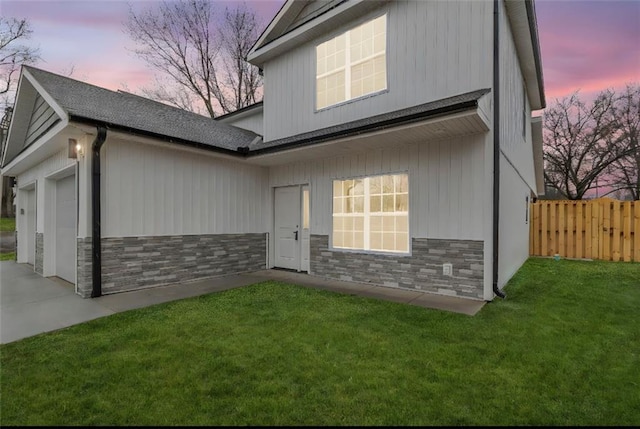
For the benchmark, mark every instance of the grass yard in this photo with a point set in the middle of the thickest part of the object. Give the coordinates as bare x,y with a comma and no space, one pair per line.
562,349
7,224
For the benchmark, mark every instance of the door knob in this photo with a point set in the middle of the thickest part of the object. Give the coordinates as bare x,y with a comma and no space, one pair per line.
295,235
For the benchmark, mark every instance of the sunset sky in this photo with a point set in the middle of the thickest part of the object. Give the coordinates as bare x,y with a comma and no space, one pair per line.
585,44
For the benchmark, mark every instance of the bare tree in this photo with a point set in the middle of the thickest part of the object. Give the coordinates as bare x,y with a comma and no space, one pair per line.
624,174
183,42
165,91
238,33
13,53
581,142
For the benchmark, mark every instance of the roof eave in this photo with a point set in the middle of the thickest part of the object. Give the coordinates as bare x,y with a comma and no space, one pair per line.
251,110
522,16
265,51
372,127
144,133
538,158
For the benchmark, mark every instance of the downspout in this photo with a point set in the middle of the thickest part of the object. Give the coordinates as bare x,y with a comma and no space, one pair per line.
96,247
496,145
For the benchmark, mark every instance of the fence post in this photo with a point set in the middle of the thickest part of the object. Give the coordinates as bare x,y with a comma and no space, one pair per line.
626,230
579,229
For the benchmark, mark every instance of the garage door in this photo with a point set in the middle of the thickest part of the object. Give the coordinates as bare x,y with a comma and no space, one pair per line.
66,228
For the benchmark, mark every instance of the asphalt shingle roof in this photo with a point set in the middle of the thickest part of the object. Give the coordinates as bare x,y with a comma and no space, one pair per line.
86,102
83,101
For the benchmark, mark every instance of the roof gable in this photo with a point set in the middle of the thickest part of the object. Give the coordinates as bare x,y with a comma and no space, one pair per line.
77,101
310,11
299,21
33,116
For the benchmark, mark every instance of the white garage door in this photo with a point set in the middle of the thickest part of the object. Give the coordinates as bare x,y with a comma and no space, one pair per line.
66,228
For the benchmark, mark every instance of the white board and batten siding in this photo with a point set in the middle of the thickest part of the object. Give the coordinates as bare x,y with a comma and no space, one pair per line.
151,190
517,174
513,246
518,149
42,118
445,184
435,49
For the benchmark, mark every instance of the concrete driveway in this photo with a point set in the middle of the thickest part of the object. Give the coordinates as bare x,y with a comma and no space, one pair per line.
31,304
7,241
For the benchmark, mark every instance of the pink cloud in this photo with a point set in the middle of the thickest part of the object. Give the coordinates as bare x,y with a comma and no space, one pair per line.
588,45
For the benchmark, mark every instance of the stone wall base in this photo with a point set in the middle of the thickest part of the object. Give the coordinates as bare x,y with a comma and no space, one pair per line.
131,263
422,270
39,262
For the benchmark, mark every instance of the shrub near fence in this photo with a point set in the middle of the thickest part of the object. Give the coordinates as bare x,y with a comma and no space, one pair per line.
591,229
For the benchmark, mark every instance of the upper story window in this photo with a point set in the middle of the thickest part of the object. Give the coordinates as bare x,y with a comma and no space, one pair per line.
352,64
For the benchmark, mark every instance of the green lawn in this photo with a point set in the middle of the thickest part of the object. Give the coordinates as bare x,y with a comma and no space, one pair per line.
562,349
7,224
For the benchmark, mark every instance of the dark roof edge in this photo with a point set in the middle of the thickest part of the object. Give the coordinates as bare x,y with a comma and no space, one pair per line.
375,126
239,111
533,30
302,140
309,18
151,134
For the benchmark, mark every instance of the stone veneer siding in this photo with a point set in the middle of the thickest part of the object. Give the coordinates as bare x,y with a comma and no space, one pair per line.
84,275
130,263
39,267
421,270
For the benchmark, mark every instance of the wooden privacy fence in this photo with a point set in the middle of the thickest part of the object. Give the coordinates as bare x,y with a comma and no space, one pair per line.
595,229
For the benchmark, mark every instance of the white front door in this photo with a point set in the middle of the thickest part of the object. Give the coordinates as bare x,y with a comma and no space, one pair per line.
66,229
291,232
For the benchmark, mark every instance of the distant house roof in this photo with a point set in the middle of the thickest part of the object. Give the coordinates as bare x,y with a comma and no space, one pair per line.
417,113
88,103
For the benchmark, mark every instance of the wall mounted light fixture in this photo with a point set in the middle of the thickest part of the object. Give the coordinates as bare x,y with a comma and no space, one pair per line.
75,149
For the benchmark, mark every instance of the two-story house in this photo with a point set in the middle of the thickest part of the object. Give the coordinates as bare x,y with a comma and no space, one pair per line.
394,146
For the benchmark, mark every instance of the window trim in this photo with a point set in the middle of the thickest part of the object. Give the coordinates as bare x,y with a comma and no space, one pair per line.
409,251
347,68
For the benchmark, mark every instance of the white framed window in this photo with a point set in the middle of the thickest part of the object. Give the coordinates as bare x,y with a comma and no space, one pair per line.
372,213
352,64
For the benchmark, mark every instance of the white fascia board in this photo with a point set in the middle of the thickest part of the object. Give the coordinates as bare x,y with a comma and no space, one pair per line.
260,55
274,22
138,139
11,124
18,165
519,20
233,116
538,158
